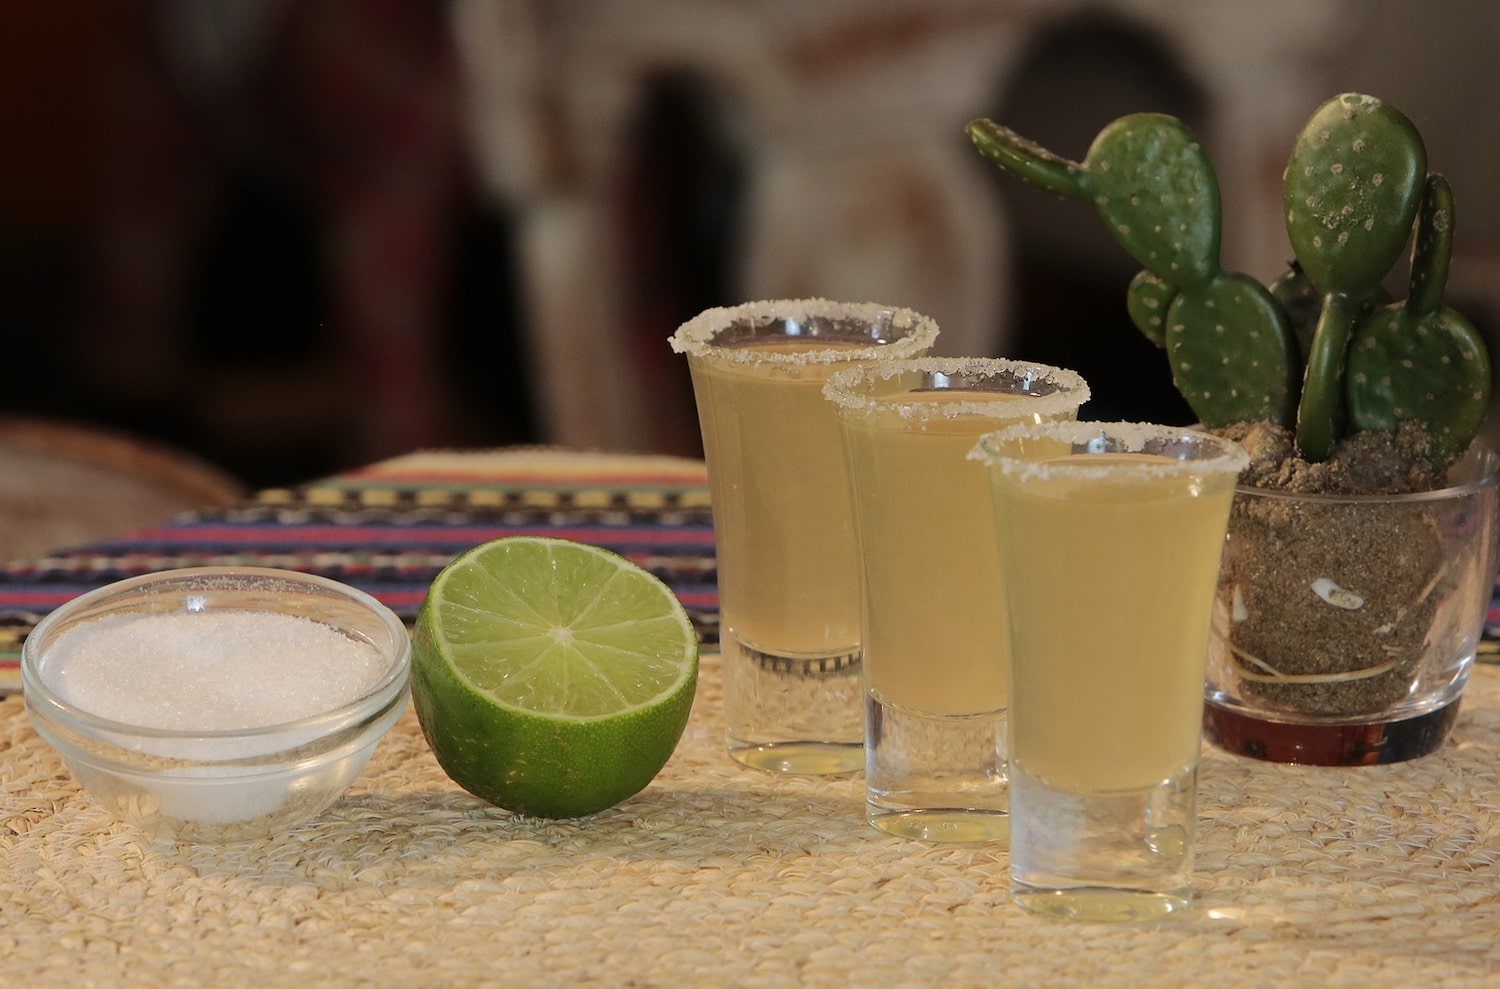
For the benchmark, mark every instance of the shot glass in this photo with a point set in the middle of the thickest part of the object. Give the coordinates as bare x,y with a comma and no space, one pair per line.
1110,535
788,567
934,635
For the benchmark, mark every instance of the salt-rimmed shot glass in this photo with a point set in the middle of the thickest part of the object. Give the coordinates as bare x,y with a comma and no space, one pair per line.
1110,535
184,756
934,635
788,567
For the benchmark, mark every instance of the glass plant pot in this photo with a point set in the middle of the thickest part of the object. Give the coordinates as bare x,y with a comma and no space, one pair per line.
1345,626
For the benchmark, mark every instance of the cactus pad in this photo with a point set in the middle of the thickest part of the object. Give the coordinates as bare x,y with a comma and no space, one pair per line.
1230,352
1422,360
1153,186
1352,187
1146,301
1428,367
1026,159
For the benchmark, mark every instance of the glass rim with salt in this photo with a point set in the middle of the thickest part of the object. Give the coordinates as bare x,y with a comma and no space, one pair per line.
864,330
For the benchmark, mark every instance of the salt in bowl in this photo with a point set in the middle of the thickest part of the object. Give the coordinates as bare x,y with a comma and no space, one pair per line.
217,703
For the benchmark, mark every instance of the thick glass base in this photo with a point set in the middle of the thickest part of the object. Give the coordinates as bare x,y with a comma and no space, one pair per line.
1365,742
1100,903
1111,855
951,824
796,714
935,777
798,758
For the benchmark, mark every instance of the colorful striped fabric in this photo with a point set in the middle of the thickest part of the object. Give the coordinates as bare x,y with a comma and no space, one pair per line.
389,528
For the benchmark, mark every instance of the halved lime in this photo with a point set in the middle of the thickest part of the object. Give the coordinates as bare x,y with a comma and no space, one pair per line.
551,677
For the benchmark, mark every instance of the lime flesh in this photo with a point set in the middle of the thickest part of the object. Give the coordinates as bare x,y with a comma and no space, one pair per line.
551,678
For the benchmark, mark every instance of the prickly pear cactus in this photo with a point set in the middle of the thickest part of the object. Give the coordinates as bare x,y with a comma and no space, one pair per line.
1146,175
1320,347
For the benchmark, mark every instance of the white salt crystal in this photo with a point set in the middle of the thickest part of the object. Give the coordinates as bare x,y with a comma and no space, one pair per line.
209,670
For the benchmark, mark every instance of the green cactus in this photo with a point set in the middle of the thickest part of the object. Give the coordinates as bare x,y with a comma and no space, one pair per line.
1420,359
1146,175
1351,192
1352,189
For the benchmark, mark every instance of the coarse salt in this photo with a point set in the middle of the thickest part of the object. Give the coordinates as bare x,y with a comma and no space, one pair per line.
209,670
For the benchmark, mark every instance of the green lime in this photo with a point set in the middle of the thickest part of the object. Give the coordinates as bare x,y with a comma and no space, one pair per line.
551,677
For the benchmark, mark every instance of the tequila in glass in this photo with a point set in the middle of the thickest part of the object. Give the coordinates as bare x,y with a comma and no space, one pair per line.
788,568
934,630
1111,535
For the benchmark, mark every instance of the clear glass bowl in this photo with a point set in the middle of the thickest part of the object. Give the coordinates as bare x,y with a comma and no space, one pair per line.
222,785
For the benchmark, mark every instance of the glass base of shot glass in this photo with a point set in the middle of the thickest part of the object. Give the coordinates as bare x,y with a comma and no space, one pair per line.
796,714
1112,856
935,777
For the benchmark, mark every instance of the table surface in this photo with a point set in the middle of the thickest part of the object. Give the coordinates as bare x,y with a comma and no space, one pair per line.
1375,876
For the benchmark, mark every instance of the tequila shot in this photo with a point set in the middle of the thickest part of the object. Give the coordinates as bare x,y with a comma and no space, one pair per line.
788,568
936,649
1111,536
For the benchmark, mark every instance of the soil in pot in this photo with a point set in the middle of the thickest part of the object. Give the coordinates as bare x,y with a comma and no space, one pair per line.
1331,604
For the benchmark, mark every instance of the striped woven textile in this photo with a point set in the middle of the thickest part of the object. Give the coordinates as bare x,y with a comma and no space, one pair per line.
389,528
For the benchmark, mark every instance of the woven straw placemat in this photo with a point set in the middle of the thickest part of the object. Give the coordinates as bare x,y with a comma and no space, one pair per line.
1378,876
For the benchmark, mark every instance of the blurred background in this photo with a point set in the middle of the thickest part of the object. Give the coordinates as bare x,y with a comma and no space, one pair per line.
293,237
